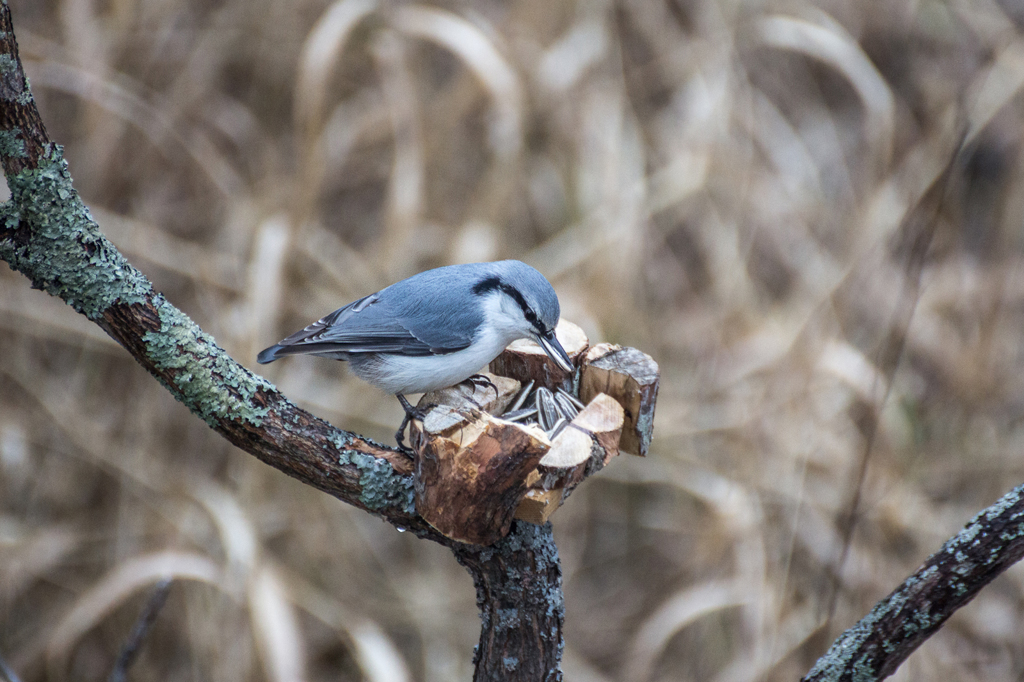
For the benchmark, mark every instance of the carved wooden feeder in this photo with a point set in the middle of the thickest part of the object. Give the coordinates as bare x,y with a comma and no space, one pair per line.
480,464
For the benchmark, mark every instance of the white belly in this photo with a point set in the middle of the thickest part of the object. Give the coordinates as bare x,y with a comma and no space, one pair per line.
403,374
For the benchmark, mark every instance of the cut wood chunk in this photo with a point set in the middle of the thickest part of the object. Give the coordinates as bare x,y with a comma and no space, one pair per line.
447,422
532,479
572,446
526,361
493,398
573,459
471,471
599,423
603,417
538,505
631,378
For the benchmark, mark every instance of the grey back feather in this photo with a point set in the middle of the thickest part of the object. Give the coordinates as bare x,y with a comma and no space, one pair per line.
431,313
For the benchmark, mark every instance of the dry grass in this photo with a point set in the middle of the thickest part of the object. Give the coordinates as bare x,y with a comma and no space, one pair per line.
717,183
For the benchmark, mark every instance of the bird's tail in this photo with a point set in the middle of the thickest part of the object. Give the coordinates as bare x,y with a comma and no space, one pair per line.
279,350
270,354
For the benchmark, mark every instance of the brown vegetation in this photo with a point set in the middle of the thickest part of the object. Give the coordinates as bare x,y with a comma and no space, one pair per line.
717,184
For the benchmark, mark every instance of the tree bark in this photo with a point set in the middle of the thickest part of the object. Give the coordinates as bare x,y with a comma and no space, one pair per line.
876,646
48,234
519,592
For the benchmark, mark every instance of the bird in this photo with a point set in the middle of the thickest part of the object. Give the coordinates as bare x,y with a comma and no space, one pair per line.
435,329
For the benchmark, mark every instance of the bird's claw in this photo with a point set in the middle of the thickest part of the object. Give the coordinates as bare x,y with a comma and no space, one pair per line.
400,437
418,413
480,380
403,448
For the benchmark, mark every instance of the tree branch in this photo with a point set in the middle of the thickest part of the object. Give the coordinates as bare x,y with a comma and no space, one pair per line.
876,646
519,593
48,234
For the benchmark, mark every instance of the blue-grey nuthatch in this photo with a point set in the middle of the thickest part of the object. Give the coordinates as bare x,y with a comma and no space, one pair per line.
434,329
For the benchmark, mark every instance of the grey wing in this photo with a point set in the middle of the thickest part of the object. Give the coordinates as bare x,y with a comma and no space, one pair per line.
441,312
364,326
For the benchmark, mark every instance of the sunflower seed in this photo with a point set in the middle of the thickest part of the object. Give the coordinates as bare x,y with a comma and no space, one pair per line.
573,399
520,415
521,398
557,428
547,408
565,405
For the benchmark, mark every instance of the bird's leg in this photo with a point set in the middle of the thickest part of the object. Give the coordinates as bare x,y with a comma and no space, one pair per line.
480,380
410,414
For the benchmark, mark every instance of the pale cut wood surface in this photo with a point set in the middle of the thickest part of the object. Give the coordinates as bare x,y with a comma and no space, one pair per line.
537,506
631,377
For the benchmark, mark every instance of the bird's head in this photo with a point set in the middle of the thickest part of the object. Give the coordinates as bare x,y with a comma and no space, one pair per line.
523,304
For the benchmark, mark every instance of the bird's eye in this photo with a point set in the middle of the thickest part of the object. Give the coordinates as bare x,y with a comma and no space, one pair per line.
530,316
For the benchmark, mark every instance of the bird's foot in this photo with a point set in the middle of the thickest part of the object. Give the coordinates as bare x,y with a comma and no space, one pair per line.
403,448
478,380
410,414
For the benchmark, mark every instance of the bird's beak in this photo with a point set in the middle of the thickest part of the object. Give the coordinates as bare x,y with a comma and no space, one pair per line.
555,351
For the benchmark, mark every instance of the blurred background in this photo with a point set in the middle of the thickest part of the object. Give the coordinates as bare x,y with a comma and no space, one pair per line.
720,184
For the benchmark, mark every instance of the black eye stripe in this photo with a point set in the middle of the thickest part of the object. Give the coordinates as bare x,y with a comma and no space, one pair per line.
486,285
492,283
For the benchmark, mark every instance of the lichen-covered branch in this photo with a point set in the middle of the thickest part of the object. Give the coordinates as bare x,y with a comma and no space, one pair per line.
876,646
48,234
22,133
519,593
